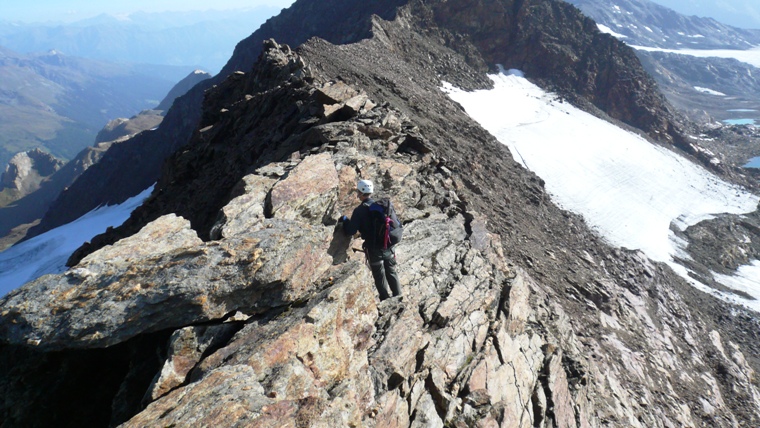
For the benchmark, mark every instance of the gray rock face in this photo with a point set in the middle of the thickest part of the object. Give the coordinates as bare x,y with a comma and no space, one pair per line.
26,169
309,192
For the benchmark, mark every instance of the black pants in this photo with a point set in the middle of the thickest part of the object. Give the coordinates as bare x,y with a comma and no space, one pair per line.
383,266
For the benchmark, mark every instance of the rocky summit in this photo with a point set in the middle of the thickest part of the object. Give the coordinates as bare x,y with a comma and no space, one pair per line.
232,297
25,170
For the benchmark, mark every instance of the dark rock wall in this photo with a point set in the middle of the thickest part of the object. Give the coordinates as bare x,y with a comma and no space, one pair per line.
553,43
77,388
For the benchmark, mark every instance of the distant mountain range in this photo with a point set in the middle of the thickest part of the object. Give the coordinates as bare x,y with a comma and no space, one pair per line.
197,39
694,61
34,179
52,98
644,23
739,13
59,102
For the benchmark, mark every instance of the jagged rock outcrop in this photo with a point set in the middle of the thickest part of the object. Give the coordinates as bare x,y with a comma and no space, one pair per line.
242,304
26,169
182,87
121,127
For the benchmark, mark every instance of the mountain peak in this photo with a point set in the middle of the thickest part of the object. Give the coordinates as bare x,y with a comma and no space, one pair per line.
26,169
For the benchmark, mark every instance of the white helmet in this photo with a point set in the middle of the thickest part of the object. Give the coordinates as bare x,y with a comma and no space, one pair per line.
365,186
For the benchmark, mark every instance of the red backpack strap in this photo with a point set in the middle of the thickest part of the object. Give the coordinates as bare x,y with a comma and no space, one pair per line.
387,237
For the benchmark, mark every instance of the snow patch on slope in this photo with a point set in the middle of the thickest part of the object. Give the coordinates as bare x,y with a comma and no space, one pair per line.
747,279
629,190
709,91
610,31
749,56
47,253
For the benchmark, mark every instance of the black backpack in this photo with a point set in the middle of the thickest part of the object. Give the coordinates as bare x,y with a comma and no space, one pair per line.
386,228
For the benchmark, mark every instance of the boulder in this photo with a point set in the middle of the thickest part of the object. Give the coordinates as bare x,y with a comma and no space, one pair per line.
335,93
245,212
166,277
286,366
309,192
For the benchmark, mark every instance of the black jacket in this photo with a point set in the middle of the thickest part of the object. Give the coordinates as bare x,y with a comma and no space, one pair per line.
360,220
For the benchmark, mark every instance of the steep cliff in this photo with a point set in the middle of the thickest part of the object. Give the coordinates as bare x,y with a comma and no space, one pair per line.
232,299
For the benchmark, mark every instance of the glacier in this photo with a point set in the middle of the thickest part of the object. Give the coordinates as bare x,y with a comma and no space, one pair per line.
47,253
628,190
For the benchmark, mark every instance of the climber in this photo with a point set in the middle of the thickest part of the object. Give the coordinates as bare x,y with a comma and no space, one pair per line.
379,232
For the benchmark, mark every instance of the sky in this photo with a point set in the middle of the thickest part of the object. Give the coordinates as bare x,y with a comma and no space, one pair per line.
743,13
74,10
628,190
738,13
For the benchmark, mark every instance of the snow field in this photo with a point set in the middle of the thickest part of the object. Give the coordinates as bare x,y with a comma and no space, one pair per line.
750,56
47,253
627,189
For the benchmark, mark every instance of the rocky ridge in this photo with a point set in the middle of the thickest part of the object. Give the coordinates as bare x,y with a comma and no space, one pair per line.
342,21
235,300
556,45
182,87
123,128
